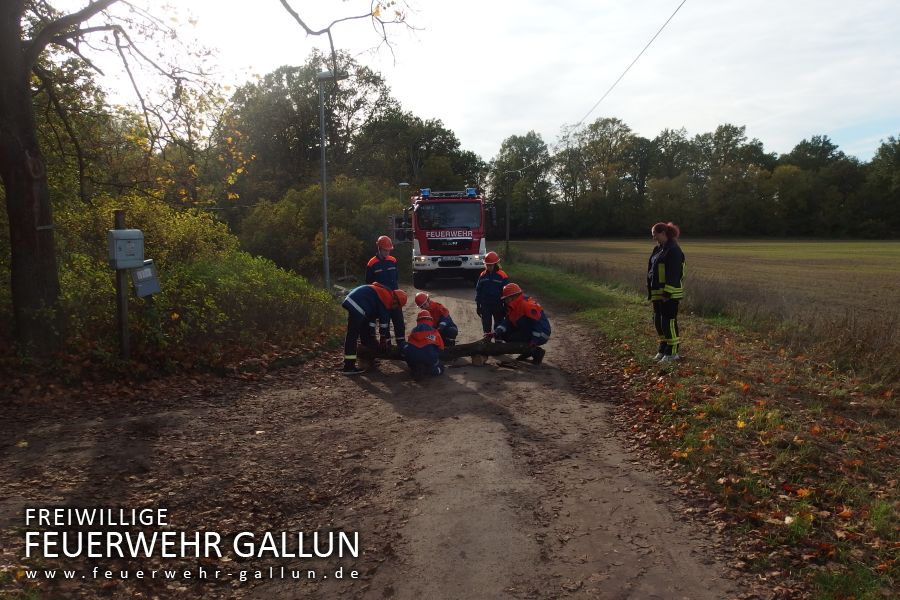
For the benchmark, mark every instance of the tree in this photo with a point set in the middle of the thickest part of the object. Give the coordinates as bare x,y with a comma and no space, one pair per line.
27,29
672,153
520,184
883,209
396,147
608,148
813,154
277,122
34,278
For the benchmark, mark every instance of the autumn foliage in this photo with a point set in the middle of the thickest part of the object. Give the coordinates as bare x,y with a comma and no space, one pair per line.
218,304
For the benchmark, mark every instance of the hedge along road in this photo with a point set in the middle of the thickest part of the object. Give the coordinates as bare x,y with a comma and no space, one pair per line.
503,482
487,482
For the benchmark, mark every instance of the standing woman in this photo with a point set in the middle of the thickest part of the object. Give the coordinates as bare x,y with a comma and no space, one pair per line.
665,288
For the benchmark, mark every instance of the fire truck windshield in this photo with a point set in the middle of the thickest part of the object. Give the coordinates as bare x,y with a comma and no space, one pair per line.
449,215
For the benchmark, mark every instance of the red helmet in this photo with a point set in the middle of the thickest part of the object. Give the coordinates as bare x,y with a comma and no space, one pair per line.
510,290
384,243
491,258
424,315
421,298
401,297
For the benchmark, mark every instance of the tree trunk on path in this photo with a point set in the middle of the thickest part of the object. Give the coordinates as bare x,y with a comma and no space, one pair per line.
34,281
481,347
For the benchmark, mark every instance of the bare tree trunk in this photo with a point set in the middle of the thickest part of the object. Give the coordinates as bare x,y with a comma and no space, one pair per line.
480,347
35,281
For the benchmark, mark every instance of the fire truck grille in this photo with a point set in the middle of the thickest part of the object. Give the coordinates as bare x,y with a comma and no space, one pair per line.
457,245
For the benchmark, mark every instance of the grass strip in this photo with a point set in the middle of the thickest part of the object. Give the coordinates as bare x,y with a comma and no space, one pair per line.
803,458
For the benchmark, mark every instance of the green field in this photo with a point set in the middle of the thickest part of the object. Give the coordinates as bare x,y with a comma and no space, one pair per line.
856,275
835,298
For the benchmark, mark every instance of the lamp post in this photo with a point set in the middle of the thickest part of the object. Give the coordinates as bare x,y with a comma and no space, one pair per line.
321,78
400,229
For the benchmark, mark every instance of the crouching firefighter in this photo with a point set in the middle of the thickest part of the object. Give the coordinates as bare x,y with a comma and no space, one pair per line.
440,317
365,305
423,348
525,321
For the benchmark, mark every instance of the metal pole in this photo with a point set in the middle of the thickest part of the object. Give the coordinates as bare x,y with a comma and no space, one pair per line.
324,187
122,295
506,257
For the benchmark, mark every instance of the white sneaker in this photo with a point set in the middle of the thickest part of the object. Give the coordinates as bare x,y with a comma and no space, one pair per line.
670,358
658,356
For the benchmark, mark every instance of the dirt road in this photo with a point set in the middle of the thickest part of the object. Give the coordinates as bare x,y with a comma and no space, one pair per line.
500,481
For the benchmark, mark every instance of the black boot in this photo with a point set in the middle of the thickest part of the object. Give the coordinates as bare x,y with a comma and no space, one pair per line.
350,368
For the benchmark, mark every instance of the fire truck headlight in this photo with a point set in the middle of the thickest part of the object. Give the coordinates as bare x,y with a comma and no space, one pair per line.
420,259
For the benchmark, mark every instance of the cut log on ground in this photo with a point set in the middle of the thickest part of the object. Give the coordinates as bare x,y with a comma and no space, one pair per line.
479,348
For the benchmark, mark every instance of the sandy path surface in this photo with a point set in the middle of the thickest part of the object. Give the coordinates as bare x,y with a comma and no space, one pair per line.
501,481
524,490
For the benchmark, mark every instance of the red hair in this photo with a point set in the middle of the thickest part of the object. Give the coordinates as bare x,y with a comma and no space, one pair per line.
671,229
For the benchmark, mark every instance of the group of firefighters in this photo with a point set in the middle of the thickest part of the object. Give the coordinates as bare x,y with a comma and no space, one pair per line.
507,315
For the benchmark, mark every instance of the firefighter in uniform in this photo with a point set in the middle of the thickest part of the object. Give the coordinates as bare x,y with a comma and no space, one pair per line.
488,290
665,288
440,318
364,305
423,348
525,321
382,268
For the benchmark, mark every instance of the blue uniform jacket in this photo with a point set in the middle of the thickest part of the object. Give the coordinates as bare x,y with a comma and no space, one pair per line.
382,270
424,345
365,302
526,317
490,287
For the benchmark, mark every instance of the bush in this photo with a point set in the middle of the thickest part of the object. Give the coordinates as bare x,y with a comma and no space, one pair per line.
216,302
240,302
171,236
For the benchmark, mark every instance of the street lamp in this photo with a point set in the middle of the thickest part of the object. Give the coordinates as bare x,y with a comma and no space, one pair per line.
322,78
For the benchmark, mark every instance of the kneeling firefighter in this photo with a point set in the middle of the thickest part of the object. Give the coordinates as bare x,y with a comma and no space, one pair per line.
440,318
423,348
525,321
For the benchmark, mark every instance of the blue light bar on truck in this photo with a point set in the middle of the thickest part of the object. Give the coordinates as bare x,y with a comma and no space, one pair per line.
470,192
425,192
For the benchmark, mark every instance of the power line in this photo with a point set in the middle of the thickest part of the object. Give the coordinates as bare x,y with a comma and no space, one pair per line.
628,68
615,83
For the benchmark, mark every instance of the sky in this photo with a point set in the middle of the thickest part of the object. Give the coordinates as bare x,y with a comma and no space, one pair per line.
489,69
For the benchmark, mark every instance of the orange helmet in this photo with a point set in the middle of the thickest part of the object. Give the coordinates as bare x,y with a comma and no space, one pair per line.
421,298
424,315
384,243
510,290
491,258
401,297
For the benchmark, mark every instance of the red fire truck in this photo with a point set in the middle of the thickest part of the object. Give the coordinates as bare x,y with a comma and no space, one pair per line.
447,231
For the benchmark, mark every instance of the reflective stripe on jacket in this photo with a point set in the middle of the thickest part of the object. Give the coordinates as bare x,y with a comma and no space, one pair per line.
524,314
665,272
370,302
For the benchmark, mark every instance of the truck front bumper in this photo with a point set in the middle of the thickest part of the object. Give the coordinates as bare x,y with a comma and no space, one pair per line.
439,264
